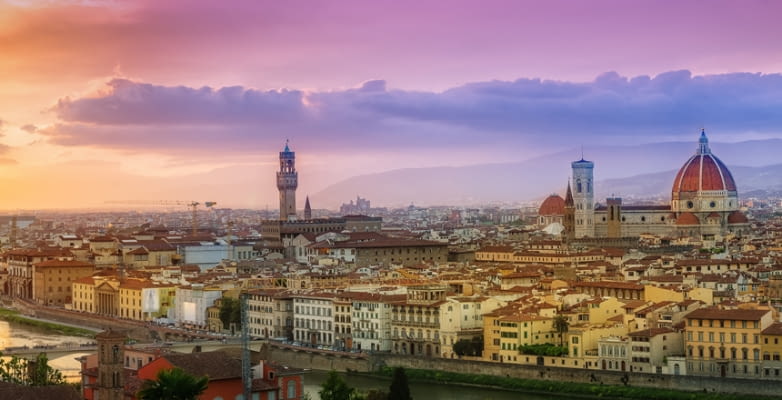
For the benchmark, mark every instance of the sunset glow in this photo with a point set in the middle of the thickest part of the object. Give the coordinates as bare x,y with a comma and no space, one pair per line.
102,100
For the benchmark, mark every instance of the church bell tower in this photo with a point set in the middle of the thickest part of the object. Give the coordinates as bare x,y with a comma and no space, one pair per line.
287,182
584,198
111,372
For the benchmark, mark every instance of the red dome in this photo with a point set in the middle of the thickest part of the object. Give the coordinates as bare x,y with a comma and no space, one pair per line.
737,217
553,205
703,171
687,219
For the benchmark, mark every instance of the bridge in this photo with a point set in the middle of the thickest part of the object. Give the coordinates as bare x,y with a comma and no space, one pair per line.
179,347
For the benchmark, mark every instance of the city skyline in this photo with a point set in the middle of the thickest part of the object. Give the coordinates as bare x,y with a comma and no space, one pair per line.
109,100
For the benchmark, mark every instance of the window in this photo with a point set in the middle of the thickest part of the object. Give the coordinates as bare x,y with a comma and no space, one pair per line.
291,389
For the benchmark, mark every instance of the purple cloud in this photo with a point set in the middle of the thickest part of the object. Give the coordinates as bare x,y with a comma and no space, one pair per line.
133,103
29,128
141,116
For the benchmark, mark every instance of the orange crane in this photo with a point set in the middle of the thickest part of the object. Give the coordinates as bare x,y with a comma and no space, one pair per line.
193,205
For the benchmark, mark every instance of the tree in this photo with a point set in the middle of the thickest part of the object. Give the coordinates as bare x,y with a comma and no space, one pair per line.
399,389
472,347
29,372
173,384
335,388
561,325
375,394
230,311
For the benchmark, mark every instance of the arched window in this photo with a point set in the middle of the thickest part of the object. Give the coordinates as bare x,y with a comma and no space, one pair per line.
578,185
291,389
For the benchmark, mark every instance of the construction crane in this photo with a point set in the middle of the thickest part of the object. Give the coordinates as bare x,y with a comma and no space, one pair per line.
12,235
193,205
247,374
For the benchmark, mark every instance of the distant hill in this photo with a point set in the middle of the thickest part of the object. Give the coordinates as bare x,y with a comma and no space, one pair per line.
630,171
751,181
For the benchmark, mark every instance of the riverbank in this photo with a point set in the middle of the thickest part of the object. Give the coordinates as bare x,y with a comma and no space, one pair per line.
48,326
582,390
588,381
364,383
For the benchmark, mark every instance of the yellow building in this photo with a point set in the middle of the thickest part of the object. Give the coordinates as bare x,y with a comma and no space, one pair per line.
84,294
725,343
495,253
771,348
131,298
53,280
657,294
582,339
143,300
521,330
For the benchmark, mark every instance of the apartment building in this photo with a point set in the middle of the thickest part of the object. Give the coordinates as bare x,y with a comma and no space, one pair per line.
725,342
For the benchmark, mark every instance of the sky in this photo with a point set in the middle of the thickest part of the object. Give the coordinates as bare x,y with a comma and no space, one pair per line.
193,100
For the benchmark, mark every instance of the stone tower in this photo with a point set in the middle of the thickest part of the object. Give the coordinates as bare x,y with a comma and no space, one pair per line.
568,219
307,209
584,198
287,182
111,373
614,224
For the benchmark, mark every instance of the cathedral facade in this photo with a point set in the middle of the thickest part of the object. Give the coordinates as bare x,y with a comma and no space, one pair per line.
704,204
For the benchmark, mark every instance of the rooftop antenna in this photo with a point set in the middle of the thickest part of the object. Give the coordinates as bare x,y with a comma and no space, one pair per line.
582,151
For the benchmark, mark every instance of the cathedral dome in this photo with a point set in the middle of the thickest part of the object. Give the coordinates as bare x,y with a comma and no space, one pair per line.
704,184
703,172
687,219
553,205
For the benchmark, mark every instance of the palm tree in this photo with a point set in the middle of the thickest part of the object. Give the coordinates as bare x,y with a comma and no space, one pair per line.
561,325
173,384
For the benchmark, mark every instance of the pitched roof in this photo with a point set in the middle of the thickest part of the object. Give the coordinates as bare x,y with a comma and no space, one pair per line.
214,364
63,263
738,315
21,392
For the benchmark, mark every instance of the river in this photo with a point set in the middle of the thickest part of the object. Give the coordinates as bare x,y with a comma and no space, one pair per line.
16,335
423,391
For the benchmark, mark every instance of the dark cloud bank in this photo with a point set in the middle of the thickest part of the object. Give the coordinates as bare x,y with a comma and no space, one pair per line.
143,116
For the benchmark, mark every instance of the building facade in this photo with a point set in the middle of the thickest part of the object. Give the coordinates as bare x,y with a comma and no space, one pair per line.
53,280
725,342
416,321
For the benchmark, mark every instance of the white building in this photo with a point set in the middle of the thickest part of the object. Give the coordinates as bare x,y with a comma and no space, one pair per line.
270,312
192,302
313,319
205,254
371,319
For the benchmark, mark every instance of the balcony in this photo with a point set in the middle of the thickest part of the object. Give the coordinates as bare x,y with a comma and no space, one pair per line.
432,325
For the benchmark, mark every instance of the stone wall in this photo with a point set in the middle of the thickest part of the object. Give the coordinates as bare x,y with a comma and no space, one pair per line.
134,329
679,382
316,359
